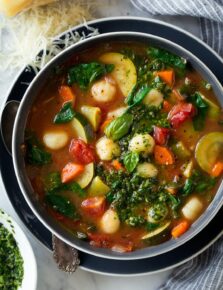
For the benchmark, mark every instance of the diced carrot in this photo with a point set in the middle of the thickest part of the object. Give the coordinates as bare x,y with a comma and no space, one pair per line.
70,171
105,124
166,106
67,94
117,165
167,76
163,155
180,229
217,169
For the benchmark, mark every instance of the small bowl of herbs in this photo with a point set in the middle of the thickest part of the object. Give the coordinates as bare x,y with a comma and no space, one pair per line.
18,269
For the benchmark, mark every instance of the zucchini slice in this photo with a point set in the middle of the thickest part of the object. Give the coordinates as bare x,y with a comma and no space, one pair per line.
98,187
208,149
214,110
156,232
82,129
86,176
124,72
93,115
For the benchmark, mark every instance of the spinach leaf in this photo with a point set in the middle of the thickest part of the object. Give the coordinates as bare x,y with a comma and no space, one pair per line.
167,58
202,109
131,160
84,74
53,184
35,153
151,226
119,127
62,205
65,115
198,182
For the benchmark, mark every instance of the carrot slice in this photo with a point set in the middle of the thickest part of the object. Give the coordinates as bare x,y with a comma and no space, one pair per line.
105,124
217,169
70,171
117,165
163,155
67,94
180,229
166,106
167,76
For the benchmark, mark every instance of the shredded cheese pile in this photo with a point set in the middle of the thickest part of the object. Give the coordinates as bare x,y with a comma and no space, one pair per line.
34,29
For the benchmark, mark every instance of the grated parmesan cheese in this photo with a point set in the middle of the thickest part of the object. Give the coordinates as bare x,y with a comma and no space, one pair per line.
34,30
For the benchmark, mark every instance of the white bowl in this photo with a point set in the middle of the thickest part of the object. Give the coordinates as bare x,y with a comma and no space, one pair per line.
30,269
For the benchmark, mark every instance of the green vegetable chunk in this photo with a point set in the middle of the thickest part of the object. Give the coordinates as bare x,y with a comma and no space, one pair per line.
62,205
53,184
131,160
84,74
35,153
167,58
202,110
65,115
11,262
119,127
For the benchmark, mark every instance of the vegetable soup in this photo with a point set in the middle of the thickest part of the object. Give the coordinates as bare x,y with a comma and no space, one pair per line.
124,146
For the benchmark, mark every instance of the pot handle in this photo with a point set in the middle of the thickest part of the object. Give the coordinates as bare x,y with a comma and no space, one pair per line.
7,123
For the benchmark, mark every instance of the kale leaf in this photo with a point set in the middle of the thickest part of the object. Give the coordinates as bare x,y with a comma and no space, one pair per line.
84,74
35,154
202,110
62,205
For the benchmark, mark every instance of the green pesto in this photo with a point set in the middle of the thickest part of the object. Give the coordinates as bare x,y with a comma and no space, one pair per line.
11,262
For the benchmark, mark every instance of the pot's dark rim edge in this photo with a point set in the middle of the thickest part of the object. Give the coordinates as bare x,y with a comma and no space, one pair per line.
138,256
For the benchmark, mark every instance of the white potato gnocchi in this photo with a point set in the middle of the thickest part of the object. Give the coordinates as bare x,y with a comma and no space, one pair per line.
116,113
153,98
55,140
103,91
110,222
142,143
107,149
147,170
192,208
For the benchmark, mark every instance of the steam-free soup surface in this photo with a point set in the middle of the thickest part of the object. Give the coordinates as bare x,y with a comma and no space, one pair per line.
124,146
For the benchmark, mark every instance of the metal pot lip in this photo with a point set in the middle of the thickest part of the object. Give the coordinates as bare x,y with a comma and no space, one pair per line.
25,186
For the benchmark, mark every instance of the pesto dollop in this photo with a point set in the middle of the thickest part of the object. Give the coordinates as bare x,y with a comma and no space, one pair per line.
11,262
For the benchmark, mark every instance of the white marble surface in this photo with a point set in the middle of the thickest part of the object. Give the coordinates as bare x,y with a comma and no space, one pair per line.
49,277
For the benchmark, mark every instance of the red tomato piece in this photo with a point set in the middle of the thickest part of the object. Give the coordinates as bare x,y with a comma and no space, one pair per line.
160,135
94,205
180,113
81,152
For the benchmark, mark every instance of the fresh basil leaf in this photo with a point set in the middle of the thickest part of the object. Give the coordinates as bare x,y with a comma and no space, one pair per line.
202,110
65,115
35,153
131,160
140,95
62,205
119,127
84,74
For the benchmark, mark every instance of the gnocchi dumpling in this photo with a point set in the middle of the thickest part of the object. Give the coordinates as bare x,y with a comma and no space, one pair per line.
142,143
153,98
192,208
110,222
147,170
116,113
55,140
103,91
107,149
